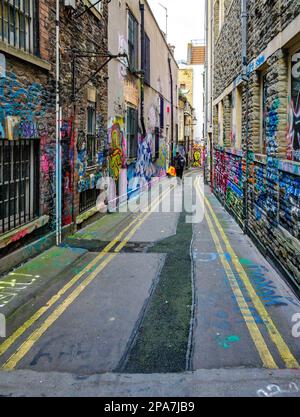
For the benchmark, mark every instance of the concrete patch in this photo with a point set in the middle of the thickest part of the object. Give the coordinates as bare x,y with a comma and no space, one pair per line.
93,333
214,383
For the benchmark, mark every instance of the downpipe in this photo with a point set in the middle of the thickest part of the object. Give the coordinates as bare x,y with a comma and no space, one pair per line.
142,72
244,19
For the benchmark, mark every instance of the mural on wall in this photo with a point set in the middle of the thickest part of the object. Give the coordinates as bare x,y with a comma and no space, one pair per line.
21,108
197,156
293,133
123,48
117,145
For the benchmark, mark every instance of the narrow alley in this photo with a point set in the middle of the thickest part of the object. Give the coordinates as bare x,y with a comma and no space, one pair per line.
148,293
149,201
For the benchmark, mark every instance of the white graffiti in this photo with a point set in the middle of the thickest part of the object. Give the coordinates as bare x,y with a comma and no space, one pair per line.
275,390
10,289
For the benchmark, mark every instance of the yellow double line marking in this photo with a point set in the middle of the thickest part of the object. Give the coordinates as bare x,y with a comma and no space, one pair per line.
266,357
93,271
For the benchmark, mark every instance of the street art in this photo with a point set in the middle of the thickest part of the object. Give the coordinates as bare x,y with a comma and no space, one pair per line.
11,288
197,156
227,342
117,144
123,48
21,107
289,209
229,178
293,132
145,168
275,390
264,286
272,173
161,163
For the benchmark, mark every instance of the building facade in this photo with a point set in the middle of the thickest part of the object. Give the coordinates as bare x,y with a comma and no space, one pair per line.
143,98
28,116
186,125
254,79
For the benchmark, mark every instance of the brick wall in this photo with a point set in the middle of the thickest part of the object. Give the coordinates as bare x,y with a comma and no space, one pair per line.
29,94
273,180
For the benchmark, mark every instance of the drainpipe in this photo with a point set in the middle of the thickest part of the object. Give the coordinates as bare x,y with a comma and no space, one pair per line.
142,104
206,88
172,108
244,18
58,134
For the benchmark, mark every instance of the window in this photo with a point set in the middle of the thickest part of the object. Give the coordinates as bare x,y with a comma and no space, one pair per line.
156,143
264,113
132,42
91,119
19,182
99,6
18,24
294,116
221,14
91,135
221,123
236,128
132,132
146,64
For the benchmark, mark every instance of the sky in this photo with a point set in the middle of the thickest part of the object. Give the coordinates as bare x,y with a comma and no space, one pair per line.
185,22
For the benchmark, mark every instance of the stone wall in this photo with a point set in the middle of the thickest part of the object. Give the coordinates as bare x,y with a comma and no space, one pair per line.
265,163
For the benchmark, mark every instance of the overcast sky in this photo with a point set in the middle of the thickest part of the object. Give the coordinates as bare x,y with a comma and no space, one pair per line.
185,22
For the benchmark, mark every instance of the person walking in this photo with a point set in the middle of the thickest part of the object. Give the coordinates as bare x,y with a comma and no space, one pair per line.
179,165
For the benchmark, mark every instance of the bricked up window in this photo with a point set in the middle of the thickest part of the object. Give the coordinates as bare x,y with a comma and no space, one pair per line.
294,116
18,24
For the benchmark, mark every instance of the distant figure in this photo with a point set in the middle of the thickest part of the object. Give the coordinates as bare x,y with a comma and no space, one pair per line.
179,165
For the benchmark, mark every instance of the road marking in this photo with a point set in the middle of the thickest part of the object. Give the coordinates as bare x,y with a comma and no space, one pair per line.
257,337
36,316
16,357
284,351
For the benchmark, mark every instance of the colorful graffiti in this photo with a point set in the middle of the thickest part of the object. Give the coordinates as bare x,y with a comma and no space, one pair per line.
145,168
293,132
117,144
197,150
21,107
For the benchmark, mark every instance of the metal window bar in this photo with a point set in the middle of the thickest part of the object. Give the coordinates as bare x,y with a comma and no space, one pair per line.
88,199
19,26
19,183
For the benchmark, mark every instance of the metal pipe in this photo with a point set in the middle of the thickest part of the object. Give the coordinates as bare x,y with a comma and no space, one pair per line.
142,108
172,108
58,132
244,19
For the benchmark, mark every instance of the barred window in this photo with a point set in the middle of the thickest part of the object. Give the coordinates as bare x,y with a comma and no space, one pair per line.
91,134
18,24
132,132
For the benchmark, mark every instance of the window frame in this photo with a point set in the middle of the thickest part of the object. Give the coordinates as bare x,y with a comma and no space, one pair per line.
147,63
133,45
132,132
22,32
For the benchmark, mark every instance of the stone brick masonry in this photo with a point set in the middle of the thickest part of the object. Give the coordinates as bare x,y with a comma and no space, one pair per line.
265,172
